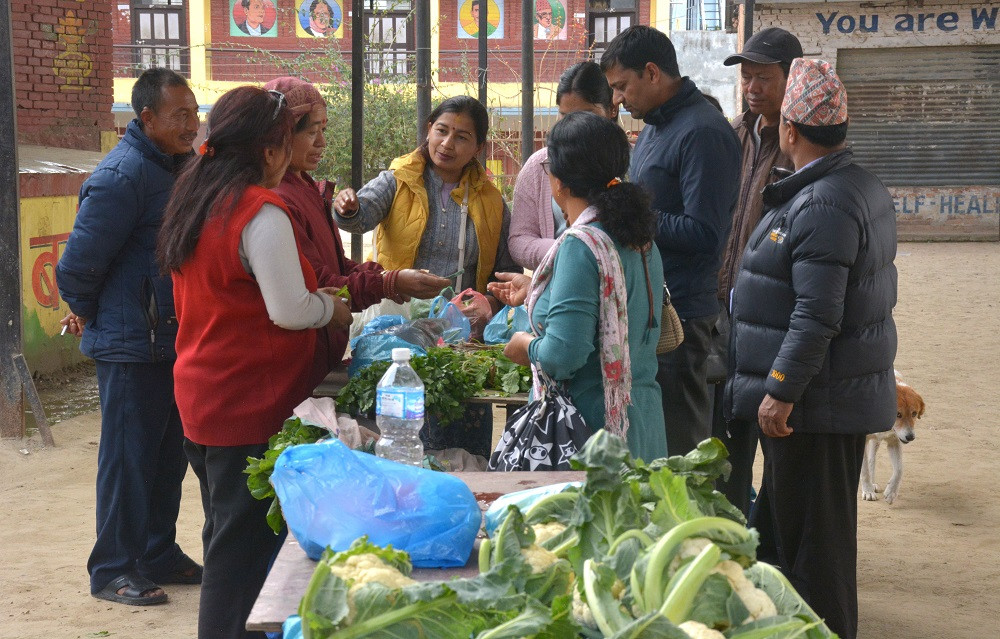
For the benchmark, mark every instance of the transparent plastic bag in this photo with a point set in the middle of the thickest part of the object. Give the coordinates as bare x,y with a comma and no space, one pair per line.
508,321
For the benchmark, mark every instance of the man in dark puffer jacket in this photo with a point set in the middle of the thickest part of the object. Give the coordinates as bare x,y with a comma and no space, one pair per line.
813,344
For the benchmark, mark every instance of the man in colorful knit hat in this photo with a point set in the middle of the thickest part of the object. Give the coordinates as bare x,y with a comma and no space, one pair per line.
813,344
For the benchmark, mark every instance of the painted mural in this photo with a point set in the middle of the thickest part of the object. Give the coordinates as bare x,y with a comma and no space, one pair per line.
468,18
320,19
253,18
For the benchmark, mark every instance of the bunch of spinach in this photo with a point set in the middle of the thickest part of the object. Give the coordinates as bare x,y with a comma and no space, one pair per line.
293,431
450,378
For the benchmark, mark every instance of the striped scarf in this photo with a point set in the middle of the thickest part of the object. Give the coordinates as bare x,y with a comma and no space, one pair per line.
612,326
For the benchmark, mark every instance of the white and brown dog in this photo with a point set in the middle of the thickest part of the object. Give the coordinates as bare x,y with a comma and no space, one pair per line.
909,408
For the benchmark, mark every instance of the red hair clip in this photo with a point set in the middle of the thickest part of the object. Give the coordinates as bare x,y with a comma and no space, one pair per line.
204,149
614,182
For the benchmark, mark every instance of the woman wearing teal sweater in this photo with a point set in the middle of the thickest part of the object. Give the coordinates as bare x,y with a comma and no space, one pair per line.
595,299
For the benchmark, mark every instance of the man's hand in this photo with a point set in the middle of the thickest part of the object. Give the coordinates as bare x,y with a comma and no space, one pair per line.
73,324
342,317
773,417
512,289
346,203
416,283
516,349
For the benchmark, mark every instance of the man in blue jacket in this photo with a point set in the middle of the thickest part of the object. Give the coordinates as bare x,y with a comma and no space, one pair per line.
813,343
688,160
123,310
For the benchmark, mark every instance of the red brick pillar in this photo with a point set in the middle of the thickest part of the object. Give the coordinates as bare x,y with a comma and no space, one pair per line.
63,72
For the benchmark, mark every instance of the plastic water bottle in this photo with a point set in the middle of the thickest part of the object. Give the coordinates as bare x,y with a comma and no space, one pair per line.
399,411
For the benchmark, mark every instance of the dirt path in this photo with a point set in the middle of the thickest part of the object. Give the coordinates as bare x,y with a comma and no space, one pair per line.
929,563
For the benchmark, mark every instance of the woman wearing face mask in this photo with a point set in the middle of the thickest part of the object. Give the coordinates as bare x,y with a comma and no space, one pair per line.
247,309
421,204
318,236
595,299
536,220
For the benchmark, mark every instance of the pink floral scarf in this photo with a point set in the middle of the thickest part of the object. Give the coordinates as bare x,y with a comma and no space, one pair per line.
612,326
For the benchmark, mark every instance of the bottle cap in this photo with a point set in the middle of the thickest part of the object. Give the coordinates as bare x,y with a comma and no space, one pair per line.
400,354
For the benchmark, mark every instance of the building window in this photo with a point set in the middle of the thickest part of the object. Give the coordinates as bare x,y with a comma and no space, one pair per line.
695,15
159,35
391,46
605,20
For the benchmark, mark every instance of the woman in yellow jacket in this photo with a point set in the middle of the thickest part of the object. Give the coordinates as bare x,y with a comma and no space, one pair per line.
423,204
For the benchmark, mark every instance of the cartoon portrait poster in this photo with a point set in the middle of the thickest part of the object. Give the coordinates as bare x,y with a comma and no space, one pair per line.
253,18
468,18
550,20
319,19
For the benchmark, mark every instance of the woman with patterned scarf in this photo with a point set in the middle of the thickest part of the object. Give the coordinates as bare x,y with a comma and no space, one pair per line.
595,299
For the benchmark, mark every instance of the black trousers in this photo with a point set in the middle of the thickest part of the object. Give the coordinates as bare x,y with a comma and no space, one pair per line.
807,516
682,376
740,438
238,542
140,468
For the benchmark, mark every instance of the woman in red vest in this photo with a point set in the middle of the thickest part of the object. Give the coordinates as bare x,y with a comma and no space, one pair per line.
247,308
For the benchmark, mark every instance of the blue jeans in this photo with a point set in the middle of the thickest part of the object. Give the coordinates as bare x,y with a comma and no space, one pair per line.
140,468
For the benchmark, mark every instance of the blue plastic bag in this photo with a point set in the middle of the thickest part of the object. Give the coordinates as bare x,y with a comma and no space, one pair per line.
292,628
461,328
504,324
523,499
368,349
331,495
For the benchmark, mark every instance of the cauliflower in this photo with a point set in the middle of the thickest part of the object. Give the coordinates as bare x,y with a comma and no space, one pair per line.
546,531
366,568
755,599
689,548
581,612
538,558
358,570
697,630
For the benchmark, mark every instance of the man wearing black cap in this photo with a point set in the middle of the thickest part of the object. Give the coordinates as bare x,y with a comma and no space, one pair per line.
764,64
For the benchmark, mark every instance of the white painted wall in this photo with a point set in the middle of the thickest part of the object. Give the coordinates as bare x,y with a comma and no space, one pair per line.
700,55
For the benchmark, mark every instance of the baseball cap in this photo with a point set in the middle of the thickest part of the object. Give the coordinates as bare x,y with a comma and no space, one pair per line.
769,46
815,96
300,95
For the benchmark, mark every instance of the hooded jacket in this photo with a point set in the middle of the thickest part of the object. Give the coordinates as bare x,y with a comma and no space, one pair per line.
812,307
108,272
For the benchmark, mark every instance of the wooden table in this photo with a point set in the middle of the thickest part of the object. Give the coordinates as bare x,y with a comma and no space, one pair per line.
287,581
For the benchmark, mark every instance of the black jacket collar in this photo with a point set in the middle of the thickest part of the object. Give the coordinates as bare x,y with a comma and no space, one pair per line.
686,95
783,190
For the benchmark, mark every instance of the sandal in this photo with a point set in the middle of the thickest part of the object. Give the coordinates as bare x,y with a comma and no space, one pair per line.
185,571
135,587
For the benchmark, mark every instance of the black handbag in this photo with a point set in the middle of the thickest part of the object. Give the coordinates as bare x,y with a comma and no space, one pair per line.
541,435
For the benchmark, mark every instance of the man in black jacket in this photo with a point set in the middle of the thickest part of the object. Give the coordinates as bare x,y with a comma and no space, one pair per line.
688,160
814,342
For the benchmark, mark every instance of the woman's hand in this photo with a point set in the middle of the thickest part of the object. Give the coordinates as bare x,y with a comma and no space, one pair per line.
512,289
346,203
516,349
412,282
342,317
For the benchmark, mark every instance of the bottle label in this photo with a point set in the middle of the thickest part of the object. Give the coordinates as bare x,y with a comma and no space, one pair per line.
402,403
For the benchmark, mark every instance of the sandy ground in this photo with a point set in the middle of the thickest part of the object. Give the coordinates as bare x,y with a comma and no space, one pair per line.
928,564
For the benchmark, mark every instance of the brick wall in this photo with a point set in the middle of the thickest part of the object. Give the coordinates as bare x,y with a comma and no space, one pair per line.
233,57
62,71
824,28
459,56
242,58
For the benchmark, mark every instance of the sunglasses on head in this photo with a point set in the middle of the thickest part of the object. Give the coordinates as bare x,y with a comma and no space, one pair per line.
281,102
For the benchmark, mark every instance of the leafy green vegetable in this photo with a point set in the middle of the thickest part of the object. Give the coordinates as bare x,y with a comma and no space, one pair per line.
786,600
450,378
293,431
